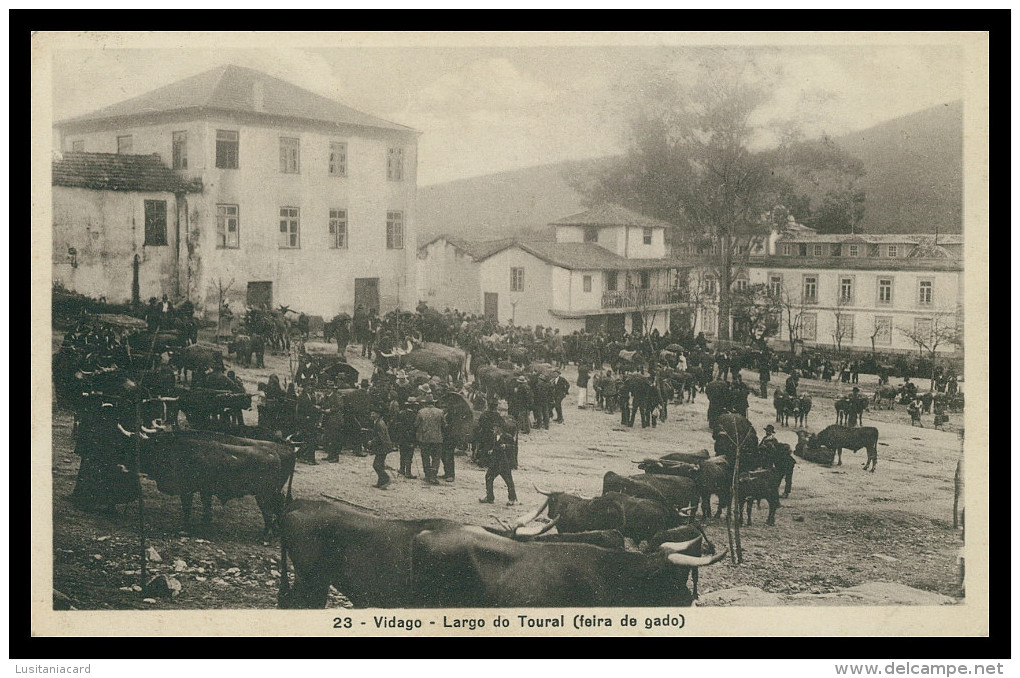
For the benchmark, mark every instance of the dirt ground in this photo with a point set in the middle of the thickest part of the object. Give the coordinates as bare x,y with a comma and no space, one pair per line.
840,527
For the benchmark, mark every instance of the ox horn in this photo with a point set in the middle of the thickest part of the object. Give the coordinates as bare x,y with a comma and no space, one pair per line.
541,491
149,430
124,431
678,546
521,522
684,560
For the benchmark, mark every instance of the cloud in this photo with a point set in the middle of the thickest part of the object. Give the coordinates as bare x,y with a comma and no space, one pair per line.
493,84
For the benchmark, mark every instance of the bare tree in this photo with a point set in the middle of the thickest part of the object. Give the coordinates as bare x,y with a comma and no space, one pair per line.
841,329
791,308
759,310
940,329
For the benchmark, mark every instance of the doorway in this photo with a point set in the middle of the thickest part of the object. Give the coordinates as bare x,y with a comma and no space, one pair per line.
260,294
492,306
366,294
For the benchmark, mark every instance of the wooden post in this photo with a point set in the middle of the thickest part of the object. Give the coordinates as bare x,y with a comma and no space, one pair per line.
141,498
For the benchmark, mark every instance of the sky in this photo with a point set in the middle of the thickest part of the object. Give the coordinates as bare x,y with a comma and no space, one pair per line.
488,109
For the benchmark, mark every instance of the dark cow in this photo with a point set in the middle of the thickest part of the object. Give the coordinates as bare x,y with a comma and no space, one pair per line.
804,410
691,534
243,348
756,485
681,493
816,455
885,395
495,381
197,359
471,567
366,558
733,432
436,362
636,518
838,437
214,464
715,478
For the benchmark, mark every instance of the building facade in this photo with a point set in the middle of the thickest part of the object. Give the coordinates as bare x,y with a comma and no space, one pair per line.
304,202
608,269
853,292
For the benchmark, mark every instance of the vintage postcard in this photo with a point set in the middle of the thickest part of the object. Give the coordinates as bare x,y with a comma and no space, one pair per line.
510,334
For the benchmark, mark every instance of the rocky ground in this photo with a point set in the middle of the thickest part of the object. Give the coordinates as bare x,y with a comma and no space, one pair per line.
844,536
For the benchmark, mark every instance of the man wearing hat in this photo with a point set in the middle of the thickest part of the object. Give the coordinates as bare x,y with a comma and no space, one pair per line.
500,461
429,432
381,445
402,432
520,403
560,389
769,439
542,401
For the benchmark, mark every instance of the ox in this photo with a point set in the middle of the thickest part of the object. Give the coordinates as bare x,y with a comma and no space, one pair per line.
470,567
636,518
675,491
838,438
215,464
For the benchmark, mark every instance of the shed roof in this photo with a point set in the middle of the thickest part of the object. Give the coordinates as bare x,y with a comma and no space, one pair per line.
117,172
237,89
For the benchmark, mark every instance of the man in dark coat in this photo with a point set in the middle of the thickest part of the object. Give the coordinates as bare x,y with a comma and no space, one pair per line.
542,400
520,404
792,382
718,393
402,433
381,445
500,464
738,395
560,389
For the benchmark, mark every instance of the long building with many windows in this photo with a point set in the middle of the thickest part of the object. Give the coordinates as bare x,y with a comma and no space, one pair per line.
278,196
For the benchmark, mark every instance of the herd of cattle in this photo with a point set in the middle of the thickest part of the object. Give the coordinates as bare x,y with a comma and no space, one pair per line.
126,389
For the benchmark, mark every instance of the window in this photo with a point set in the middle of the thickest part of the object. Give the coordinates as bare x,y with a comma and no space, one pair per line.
811,289
787,250
885,290
338,158
646,279
78,146
587,283
883,330
809,327
845,326
227,149
155,222
922,329
846,290
836,250
612,280
802,249
591,233
516,279
710,286
289,159
817,251
394,230
338,229
708,323
290,225
924,297
125,144
740,284
893,251
646,236
775,285
227,227
853,250
180,150
395,164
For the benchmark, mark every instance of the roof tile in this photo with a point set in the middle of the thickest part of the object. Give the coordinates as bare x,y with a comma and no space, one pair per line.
117,172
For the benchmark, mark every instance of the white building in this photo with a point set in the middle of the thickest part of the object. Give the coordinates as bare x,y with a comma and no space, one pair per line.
304,201
607,269
845,290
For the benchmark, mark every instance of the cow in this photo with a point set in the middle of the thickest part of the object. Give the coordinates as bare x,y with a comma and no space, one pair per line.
496,382
732,432
885,395
755,485
678,492
816,455
692,534
838,437
842,406
438,362
636,518
470,567
243,348
213,464
715,477
780,457
800,419
365,557
197,358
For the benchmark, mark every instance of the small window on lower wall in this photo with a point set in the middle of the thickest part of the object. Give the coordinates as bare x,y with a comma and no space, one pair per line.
155,222
587,283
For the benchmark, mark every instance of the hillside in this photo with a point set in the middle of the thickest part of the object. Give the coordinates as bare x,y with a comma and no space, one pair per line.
914,183
915,171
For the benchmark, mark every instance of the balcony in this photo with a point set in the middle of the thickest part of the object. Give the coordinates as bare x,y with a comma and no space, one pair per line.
638,298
